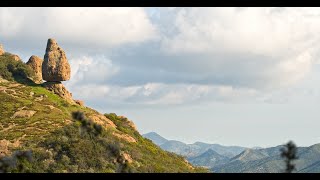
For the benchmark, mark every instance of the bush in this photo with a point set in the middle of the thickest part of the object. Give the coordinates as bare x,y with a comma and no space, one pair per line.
15,163
11,69
86,124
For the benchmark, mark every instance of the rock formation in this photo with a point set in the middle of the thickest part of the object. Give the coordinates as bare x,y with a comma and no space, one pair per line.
55,68
23,114
1,50
128,122
55,65
36,64
79,102
15,57
60,90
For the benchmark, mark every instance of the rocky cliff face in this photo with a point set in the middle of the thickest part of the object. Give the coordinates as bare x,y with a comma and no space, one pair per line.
36,64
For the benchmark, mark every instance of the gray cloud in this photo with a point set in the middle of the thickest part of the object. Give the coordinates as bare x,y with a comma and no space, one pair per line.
124,48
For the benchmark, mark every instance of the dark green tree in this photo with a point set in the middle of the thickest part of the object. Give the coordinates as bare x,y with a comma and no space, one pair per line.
289,153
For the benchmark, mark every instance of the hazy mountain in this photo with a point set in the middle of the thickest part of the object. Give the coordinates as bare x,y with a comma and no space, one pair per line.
156,138
308,156
195,149
268,160
228,151
235,159
208,159
249,155
313,168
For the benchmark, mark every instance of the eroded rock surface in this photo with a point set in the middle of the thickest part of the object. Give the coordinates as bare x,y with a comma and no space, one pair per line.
59,89
55,66
36,64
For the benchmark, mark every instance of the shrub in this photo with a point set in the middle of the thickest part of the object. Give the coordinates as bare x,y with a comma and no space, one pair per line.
16,162
86,124
11,69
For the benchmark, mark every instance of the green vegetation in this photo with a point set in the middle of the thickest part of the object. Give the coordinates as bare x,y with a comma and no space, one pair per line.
72,149
150,156
11,69
16,162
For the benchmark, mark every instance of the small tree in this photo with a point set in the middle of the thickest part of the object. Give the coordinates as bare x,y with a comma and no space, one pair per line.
15,162
87,125
289,154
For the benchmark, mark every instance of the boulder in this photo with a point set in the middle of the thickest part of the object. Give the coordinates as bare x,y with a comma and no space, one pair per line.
1,50
36,64
124,137
14,56
125,157
55,66
102,120
59,89
128,122
23,114
4,147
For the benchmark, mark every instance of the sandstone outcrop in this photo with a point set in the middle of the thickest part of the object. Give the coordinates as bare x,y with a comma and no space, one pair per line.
36,64
102,120
55,65
125,137
128,122
125,157
23,114
56,68
1,50
60,90
15,57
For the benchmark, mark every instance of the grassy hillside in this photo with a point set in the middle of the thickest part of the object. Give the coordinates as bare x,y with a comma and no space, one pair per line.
32,118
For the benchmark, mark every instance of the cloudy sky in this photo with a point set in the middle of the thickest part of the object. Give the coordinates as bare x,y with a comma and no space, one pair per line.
233,76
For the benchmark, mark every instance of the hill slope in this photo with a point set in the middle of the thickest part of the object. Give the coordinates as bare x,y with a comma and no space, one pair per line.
33,118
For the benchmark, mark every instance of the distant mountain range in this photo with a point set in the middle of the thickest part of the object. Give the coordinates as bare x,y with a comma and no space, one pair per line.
236,159
192,150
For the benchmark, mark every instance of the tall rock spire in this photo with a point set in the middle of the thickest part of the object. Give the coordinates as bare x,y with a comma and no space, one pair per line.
55,67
